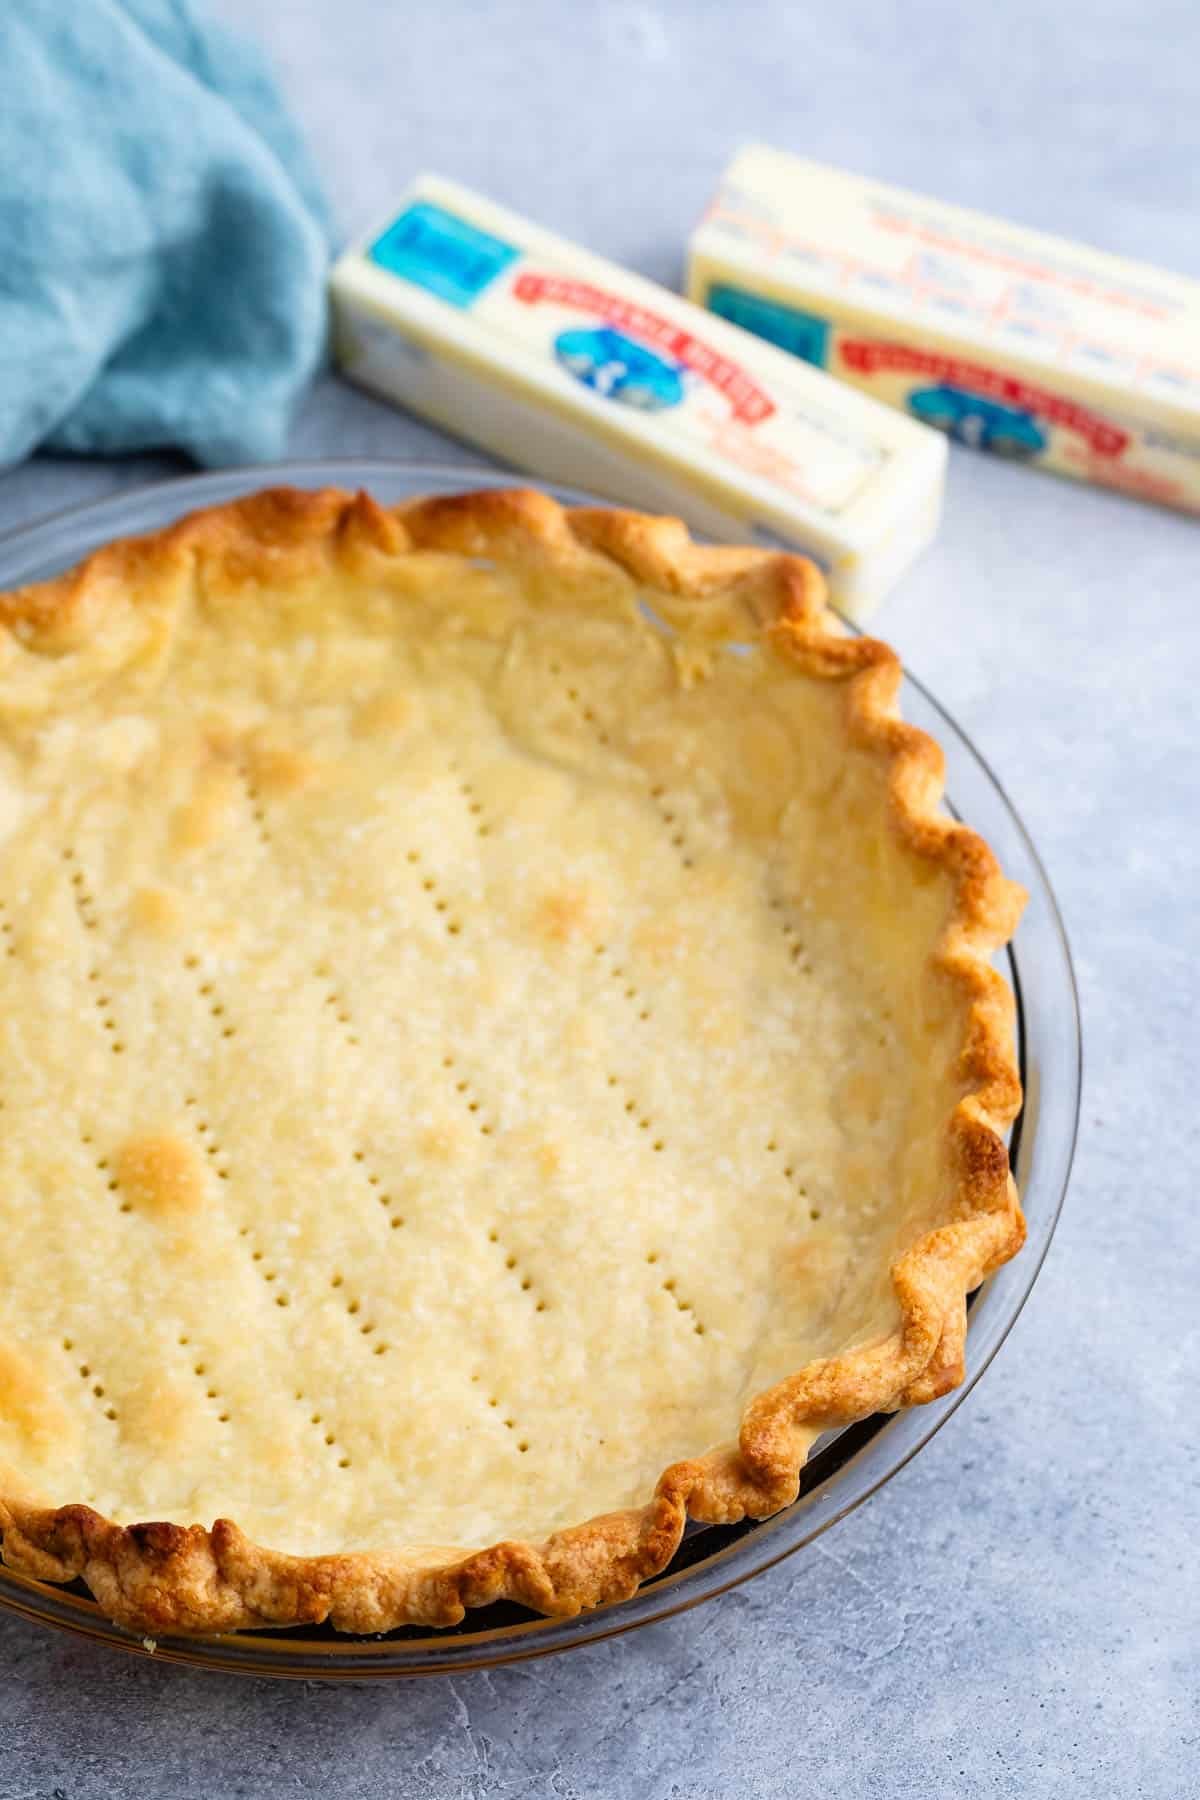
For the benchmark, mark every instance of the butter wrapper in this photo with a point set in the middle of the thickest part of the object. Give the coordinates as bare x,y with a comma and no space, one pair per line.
1009,340
569,366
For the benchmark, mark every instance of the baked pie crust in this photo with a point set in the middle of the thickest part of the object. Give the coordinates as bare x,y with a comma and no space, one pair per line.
500,1053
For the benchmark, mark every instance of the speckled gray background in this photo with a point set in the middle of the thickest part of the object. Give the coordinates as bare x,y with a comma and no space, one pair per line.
1019,1612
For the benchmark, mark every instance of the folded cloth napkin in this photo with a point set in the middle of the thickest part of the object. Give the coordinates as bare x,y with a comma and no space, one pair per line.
163,243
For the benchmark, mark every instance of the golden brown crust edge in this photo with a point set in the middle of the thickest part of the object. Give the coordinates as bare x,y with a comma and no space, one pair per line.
168,1579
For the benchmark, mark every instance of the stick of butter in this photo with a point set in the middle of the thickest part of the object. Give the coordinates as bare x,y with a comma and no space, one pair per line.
571,367
1007,339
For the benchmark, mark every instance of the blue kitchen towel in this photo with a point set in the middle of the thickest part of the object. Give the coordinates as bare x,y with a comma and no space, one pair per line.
163,242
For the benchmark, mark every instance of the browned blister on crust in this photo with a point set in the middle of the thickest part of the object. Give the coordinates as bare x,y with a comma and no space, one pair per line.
161,1578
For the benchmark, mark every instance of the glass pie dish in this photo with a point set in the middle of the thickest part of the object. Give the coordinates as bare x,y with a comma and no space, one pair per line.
849,1464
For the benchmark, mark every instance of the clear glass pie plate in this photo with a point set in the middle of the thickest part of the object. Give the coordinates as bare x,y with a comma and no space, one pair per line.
847,1467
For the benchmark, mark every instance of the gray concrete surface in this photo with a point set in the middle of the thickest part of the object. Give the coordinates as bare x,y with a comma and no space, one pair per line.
1019,1612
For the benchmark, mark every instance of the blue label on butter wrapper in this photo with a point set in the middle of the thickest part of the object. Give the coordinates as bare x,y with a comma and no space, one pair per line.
982,423
439,251
803,333
615,365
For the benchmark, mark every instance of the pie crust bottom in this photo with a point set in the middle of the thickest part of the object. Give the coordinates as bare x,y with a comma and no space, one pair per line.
501,1053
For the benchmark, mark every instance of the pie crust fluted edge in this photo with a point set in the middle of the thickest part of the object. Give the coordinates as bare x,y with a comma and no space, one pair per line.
160,1579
